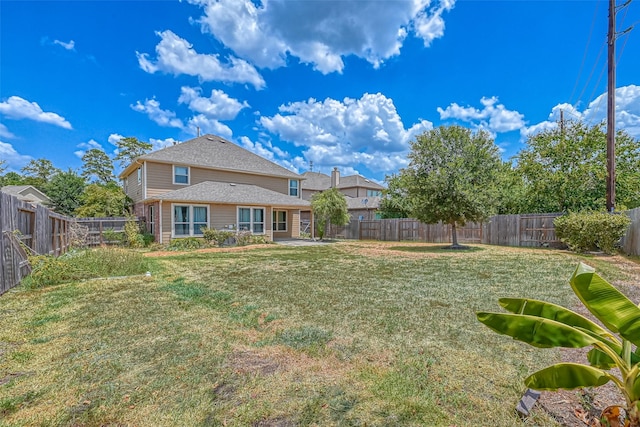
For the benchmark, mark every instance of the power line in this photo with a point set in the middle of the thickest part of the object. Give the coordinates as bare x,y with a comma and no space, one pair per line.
586,50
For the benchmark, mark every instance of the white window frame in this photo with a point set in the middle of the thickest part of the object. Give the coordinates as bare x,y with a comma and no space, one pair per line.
275,222
139,175
251,222
190,222
373,193
295,187
188,175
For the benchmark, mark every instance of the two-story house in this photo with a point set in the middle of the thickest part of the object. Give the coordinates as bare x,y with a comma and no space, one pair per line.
362,194
211,182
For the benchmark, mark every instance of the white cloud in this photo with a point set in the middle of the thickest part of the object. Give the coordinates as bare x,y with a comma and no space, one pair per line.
218,106
114,138
5,133
176,56
19,108
162,143
493,117
208,125
627,113
365,131
69,46
86,146
320,33
15,161
166,118
269,151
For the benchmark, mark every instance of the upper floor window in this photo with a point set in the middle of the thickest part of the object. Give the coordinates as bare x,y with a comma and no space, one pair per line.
139,176
374,193
293,187
181,175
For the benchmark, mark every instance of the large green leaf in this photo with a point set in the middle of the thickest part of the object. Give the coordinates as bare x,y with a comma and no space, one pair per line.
567,376
614,310
599,359
537,331
551,311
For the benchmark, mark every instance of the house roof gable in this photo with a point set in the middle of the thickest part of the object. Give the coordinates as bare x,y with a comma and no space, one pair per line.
23,191
214,152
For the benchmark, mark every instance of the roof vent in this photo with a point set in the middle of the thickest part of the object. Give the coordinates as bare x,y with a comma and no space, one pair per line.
232,184
210,139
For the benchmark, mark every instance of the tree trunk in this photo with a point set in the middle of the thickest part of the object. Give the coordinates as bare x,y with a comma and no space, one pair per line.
454,236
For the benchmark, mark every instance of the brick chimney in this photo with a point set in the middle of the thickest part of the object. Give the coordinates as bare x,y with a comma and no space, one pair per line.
335,178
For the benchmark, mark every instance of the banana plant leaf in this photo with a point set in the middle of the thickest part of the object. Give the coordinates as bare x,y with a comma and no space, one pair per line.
599,359
567,376
609,305
536,331
551,311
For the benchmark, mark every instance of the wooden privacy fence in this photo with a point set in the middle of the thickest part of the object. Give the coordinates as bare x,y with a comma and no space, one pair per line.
505,230
38,228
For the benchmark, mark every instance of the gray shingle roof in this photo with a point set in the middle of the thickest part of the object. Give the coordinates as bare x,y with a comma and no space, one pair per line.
358,202
211,151
320,182
233,194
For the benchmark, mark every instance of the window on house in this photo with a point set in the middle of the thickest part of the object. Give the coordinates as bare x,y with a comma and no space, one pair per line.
139,176
151,221
181,175
189,220
374,193
293,187
279,220
251,219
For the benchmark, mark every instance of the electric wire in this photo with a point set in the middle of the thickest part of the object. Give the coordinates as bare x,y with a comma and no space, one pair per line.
584,55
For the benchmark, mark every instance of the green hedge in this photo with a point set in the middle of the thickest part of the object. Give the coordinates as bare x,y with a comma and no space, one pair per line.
589,231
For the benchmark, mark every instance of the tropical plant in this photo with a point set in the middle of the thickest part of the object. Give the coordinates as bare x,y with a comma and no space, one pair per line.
544,325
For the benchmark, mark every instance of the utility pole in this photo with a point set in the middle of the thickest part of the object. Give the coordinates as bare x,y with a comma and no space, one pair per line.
611,109
562,122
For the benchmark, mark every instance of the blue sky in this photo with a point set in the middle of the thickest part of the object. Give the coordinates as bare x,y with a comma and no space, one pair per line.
339,83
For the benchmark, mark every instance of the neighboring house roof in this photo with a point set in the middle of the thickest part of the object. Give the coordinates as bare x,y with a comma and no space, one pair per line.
354,203
211,151
232,194
318,181
358,181
28,193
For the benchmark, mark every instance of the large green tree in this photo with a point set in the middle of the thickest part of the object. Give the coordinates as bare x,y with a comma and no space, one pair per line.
103,201
65,191
329,207
564,169
130,148
452,177
394,202
38,172
96,164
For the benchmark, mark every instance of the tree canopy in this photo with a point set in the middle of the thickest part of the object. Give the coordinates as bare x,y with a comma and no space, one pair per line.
329,207
65,191
98,165
564,169
103,201
452,176
130,148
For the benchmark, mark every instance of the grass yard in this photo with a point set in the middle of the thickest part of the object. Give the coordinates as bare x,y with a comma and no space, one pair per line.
350,334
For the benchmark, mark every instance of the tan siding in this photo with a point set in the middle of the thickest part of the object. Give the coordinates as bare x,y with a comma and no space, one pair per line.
166,222
295,223
351,192
306,194
134,190
222,216
160,179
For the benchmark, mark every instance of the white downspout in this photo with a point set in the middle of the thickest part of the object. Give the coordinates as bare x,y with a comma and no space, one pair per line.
160,221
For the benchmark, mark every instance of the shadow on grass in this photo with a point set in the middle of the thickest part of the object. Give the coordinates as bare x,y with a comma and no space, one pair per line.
436,249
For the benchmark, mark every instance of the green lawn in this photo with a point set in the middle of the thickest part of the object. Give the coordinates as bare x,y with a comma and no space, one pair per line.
350,334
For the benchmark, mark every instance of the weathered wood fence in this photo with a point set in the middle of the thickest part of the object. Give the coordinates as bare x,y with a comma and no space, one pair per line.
105,231
529,230
39,229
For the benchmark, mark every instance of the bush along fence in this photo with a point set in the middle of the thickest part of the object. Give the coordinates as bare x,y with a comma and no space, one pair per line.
106,231
526,230
28,228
